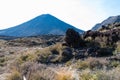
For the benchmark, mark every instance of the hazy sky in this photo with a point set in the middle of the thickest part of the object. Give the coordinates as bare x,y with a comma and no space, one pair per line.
83,14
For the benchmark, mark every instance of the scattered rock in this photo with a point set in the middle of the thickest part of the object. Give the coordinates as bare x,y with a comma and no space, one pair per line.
67,54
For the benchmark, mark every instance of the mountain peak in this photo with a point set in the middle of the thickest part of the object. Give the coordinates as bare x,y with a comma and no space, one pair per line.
41,25
46,15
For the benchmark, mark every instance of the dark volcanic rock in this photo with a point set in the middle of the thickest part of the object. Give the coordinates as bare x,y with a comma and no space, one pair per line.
73,39
67,54
104,52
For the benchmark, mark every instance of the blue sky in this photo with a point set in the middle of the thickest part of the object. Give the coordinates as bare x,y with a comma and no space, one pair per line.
83,14
112,7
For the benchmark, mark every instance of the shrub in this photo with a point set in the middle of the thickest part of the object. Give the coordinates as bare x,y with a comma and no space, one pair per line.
44,58
66,74
81,64
43,55
26,57
63,77
88,76
113,74
90,63
114,63
94,64
37,76
55,54
15,75
2,61
35,71
117,50
68,63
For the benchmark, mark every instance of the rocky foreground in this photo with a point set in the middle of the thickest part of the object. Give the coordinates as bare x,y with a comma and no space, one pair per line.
95,55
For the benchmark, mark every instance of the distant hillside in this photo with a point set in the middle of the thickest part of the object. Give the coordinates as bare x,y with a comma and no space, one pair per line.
42,25
110,20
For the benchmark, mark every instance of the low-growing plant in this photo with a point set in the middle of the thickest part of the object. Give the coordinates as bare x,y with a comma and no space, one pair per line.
114,63
68,63
81,64
117,49
90,63
3,61
88,76
55,54
26,57
15,75
94,64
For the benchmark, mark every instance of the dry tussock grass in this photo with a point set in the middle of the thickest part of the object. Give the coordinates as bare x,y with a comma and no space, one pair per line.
88,74
66,73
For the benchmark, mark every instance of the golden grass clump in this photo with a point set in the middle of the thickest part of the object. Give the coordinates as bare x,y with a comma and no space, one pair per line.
63,76
26,57
15,75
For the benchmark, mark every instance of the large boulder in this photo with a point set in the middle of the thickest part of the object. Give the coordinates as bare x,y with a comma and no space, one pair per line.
73,39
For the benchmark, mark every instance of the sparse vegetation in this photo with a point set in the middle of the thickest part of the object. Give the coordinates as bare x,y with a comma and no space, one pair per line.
78,58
